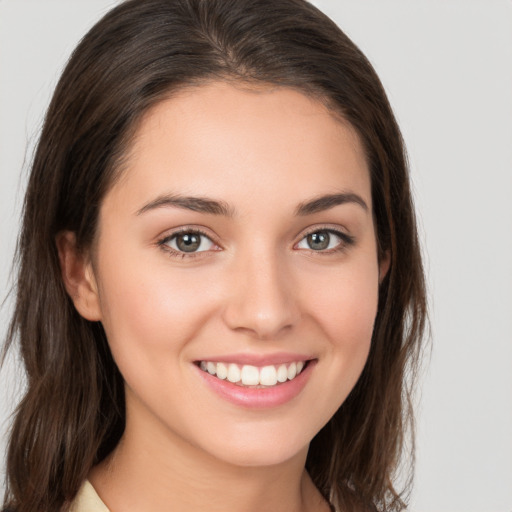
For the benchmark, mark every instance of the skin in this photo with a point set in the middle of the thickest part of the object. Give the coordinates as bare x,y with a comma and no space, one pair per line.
256,288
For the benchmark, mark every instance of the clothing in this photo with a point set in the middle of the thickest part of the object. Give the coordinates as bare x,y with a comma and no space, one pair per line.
87,500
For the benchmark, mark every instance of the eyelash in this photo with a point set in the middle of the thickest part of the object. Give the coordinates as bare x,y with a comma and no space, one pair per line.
346,241
162,243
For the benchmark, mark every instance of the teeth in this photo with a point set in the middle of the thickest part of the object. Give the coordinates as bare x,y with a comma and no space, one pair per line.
222,371
248,375
233,373
292,371
282,373
211,368
268,376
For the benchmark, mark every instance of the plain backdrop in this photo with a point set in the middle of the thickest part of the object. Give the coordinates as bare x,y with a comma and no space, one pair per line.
447,67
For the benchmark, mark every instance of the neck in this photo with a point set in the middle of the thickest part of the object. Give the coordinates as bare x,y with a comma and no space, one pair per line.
144,473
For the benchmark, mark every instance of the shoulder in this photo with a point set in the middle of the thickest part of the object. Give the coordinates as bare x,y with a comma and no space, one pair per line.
87,500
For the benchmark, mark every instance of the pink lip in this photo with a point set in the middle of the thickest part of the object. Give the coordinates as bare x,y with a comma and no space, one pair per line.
258,398
259,360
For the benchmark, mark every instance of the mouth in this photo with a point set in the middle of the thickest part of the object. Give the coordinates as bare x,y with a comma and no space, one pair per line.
249,376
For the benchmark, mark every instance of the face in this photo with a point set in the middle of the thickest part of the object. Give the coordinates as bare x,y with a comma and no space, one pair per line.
236,272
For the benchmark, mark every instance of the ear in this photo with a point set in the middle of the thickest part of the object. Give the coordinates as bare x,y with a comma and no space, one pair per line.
384,264
78,277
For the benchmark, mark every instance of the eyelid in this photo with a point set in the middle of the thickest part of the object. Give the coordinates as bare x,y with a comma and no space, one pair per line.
163,240
346,239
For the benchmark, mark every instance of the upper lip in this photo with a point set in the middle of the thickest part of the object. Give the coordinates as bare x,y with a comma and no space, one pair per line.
258,359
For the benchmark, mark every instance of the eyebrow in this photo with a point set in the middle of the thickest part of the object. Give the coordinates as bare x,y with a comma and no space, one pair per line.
329,201
196,204
214,207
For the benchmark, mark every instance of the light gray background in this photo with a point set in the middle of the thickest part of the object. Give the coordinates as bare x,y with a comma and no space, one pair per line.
447,66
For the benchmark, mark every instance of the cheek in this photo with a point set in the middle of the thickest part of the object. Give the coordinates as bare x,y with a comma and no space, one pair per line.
345,303
345,308
148,310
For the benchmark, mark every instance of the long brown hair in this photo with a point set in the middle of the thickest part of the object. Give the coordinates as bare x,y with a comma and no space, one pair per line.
72,414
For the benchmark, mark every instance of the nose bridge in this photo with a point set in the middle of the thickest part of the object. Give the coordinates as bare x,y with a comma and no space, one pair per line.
261,301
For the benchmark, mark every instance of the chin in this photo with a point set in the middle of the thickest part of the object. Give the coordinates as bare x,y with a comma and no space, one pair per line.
270,448
245,457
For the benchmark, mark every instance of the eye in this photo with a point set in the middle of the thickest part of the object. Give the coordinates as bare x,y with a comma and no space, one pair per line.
325,240
188,242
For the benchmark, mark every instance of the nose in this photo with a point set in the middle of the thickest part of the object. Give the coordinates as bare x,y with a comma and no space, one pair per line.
262,302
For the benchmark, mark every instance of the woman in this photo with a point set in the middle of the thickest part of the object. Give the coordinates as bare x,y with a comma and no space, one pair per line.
220,287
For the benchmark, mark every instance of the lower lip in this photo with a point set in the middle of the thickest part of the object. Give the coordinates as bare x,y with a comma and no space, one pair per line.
258,398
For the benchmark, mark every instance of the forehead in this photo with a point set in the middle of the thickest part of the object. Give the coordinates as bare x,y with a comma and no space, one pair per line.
224,138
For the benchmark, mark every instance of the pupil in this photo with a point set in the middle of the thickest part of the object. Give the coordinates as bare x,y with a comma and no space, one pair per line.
319,240
188,242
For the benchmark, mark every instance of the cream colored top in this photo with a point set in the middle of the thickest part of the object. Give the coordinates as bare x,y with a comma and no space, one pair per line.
87,500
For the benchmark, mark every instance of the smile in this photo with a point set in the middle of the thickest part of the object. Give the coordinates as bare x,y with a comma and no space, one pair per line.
254,376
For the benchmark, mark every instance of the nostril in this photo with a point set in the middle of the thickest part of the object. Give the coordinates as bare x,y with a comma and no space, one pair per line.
261,301
260,320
